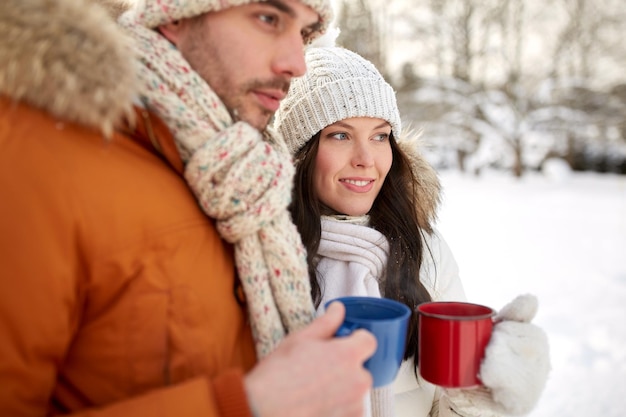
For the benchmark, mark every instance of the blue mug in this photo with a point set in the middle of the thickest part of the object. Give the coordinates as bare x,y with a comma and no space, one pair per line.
387,320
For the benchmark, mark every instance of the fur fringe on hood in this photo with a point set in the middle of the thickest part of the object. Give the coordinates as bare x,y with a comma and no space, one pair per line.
69,58
427,184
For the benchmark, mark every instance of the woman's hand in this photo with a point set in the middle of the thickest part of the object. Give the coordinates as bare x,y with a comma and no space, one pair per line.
515,368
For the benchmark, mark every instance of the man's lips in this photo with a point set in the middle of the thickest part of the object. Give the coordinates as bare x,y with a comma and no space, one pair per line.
270,99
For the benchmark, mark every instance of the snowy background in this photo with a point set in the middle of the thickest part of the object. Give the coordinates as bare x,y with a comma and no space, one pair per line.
562,237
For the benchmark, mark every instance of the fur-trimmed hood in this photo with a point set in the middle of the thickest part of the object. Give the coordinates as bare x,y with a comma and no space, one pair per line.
69,58
427,184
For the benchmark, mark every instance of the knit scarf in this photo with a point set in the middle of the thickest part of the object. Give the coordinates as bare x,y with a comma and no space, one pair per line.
360,253
240,177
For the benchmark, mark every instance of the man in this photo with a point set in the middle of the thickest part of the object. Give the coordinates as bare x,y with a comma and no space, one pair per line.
136,171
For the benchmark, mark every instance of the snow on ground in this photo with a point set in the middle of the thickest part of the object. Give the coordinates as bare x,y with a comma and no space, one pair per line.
562,237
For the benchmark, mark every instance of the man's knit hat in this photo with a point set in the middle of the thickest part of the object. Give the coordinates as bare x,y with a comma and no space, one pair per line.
339,84
153,13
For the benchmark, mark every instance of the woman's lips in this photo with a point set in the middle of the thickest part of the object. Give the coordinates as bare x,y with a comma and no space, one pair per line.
358,185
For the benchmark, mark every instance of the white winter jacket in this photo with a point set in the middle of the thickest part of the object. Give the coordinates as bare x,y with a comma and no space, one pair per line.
352,258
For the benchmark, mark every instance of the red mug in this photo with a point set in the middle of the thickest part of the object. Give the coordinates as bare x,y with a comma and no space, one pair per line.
452,341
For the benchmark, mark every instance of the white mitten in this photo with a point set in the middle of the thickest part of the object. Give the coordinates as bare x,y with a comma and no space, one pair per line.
515,368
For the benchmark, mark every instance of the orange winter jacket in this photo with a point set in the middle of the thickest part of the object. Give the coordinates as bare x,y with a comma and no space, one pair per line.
117,296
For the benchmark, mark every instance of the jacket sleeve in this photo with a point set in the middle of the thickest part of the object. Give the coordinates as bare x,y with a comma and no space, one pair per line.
40,303
224,396
470,406
440,275
440,272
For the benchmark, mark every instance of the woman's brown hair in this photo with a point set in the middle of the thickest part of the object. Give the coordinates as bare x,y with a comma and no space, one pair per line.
393,214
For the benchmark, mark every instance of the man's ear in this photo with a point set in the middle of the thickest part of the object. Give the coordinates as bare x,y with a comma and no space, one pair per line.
171,31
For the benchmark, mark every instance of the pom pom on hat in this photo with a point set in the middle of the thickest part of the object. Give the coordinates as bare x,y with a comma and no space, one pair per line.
339,84
153,13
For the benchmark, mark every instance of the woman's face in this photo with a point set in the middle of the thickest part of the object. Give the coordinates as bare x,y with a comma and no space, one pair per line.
352,162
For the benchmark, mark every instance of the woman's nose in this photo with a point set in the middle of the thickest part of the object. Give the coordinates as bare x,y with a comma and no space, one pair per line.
363,156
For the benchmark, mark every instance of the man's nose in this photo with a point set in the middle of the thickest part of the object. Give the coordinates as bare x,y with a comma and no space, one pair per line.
289,56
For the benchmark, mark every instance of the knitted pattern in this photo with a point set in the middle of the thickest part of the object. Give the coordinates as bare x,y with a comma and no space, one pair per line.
153,13
240,178
382,402
338,85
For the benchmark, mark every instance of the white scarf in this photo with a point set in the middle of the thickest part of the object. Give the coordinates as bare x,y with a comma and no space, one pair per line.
353,258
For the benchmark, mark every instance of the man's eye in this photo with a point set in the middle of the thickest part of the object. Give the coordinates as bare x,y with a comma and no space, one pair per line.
270,19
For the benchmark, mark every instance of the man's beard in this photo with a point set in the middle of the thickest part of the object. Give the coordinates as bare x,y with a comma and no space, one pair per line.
235,108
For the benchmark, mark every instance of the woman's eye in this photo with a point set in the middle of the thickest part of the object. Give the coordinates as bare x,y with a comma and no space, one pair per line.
339,136
381,137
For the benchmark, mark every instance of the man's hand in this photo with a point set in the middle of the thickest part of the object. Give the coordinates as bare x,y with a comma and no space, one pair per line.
314,374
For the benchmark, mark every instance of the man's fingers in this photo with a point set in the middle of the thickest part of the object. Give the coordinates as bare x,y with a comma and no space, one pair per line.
325,326
360,344
365,343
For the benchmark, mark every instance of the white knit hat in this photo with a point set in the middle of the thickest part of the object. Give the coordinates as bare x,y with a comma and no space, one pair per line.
339,84
153,13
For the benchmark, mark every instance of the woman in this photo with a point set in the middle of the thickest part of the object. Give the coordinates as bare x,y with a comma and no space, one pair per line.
364,203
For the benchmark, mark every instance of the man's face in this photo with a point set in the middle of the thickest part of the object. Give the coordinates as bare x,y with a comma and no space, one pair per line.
249,54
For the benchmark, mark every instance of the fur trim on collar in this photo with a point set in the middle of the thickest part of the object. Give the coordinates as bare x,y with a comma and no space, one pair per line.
427,186
69,58
115,7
